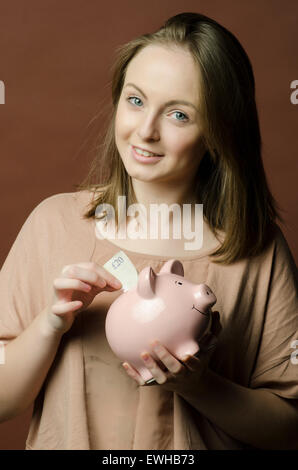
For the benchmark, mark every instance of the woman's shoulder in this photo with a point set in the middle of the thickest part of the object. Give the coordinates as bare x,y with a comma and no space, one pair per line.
57,215
278,248
66,204
58,220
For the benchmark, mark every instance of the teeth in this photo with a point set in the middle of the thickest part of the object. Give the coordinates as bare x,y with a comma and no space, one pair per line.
144,153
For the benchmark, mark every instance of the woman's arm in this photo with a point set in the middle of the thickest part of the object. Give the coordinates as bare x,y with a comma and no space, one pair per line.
28,359
30,355
256,417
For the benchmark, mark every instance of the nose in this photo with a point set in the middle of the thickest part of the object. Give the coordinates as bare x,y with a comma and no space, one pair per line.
148,129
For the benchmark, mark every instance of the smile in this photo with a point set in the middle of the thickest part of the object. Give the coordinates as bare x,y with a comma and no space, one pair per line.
146,153
142,156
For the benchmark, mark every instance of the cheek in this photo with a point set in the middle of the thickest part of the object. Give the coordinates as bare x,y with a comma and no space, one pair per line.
124,123
182,143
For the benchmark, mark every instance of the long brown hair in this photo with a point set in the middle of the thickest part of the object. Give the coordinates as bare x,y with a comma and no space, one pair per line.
231,180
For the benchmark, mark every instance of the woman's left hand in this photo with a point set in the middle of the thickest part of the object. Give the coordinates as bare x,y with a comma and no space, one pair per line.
178,376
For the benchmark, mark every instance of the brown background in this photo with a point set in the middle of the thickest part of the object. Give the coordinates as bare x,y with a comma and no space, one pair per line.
54,60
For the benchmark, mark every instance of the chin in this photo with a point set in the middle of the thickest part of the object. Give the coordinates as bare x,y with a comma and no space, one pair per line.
142,173
142,176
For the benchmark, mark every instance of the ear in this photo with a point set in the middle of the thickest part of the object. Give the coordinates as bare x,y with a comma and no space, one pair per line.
146,283
173,266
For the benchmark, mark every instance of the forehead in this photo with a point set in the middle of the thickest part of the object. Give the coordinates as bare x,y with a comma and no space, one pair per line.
170,72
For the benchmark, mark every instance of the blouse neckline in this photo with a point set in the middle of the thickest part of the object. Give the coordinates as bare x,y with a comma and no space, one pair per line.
136,254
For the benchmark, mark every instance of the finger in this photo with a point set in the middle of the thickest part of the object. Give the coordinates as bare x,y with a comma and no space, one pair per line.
133,373
110,288
86,274
75,284
192,362
67,307
171,362
102,274
154,368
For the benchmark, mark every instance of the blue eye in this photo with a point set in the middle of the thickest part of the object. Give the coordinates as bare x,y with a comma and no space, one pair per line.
133,98
179,112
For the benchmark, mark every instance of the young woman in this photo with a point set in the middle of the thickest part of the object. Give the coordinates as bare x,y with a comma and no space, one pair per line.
184,130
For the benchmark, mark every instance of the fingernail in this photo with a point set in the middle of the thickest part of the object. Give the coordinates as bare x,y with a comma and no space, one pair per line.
102,283
185,358
116,283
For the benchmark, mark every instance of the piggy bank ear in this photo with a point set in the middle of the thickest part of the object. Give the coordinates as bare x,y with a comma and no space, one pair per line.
173,266
146,283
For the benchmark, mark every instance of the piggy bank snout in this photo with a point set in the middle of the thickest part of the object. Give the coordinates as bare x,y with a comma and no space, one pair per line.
204,296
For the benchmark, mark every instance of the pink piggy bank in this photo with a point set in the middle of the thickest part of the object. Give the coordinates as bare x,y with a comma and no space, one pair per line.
164,307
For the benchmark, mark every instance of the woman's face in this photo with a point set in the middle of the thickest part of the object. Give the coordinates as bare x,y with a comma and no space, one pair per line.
145,118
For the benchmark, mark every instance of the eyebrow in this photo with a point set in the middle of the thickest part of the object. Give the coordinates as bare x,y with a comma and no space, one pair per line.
169,103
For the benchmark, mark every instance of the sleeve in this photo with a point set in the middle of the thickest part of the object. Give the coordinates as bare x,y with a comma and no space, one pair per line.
24,276
276,366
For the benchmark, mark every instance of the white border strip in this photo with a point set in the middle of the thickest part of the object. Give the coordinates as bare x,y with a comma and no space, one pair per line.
2,352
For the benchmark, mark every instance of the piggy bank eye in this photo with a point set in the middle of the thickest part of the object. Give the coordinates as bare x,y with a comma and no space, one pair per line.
178,282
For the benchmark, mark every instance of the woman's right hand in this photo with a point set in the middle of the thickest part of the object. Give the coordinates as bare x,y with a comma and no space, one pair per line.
75,289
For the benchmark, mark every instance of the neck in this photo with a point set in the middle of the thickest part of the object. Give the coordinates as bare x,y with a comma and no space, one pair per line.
162,193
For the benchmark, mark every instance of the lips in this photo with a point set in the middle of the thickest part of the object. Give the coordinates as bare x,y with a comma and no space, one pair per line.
142,159
147,150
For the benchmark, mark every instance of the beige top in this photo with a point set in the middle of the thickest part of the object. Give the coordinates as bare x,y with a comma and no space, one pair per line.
88,401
